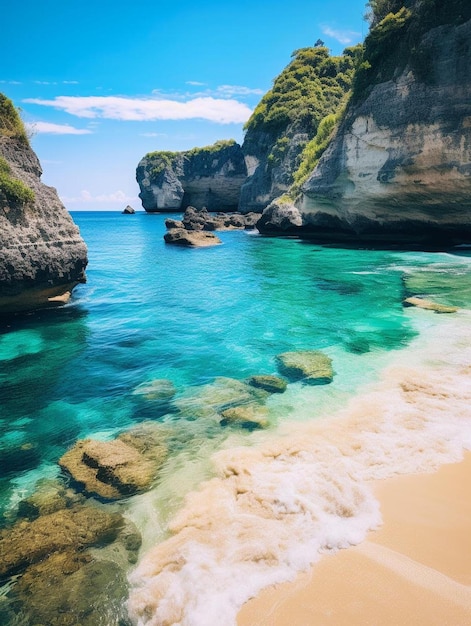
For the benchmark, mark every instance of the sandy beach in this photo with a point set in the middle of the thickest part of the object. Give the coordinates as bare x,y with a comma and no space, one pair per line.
414,571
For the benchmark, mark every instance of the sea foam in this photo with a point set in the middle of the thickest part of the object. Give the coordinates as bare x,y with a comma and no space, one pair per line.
274,509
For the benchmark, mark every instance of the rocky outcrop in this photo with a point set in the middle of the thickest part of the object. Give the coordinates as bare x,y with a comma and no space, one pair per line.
191,238
118,468
209,177
128,210
281,217
194,230
399,168
43,256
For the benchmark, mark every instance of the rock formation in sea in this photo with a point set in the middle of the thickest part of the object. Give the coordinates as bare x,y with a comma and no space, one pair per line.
208,177
194,229
398,169
43,256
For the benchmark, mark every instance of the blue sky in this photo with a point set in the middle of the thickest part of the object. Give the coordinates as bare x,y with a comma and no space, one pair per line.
102,83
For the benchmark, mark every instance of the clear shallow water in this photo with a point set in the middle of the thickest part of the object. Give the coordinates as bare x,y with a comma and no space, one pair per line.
151,311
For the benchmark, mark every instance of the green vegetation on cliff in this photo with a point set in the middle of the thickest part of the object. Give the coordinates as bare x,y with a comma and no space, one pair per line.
15,191
11,124
309,88
397,27
161,159
314,150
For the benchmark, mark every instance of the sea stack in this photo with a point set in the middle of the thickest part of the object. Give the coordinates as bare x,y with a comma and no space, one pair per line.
43,255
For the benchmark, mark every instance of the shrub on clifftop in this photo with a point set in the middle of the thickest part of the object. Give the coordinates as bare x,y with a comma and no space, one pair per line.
10,122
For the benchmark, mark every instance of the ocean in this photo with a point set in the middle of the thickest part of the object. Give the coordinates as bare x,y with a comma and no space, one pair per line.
235,509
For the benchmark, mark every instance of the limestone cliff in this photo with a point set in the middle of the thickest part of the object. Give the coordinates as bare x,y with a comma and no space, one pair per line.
399,167
208,177
42,254
311,87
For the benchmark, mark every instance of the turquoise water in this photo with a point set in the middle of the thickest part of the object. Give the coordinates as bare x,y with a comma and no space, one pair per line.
153,311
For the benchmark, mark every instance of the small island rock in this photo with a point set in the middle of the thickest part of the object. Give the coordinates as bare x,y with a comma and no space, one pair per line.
191,238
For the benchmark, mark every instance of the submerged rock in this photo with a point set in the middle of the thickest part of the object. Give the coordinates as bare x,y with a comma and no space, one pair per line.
73,589
272,384
208,401
248,416
28,542
310,366
158,390
50,496
422,303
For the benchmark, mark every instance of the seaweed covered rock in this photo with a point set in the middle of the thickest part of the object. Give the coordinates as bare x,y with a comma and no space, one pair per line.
76,528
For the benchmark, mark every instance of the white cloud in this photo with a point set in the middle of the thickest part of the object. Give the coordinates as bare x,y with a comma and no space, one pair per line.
70,82
86,196
56,129
343,36
195,83
153,134
10,82
217,110
238,90
44,82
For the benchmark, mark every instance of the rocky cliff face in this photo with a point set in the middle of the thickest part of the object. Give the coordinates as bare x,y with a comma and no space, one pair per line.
208,177
399,168
310,88
42,254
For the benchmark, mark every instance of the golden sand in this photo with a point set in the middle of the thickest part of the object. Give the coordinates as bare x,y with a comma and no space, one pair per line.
414,571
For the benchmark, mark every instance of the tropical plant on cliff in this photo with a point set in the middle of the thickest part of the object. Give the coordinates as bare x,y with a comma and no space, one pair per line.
14,190
161,159
309,88
397,27
11,124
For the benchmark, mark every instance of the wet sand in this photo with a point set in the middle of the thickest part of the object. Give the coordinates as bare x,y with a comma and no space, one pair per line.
414,571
